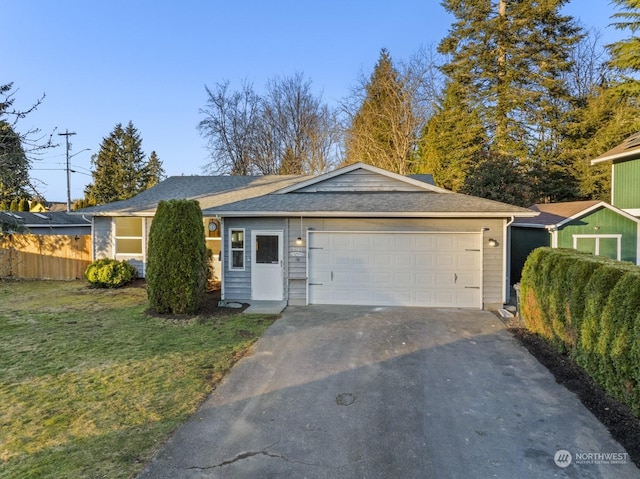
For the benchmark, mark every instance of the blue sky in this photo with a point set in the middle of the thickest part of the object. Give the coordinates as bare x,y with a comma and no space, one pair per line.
106,62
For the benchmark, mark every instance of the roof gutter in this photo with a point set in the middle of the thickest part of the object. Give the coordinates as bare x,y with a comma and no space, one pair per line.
373,214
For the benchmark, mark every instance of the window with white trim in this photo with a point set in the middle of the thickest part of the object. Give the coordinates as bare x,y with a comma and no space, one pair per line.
609,245
236,249
128,235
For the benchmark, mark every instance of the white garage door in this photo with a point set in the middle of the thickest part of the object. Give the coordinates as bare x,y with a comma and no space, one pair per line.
396,269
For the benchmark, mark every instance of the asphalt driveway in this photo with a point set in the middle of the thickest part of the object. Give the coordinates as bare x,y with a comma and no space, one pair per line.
360,392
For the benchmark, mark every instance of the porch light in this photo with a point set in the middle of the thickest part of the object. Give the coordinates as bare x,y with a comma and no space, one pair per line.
493,242
299,238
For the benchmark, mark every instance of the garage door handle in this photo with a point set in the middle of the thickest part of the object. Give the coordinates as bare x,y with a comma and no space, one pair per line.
332,276
316,284
472,287
455,278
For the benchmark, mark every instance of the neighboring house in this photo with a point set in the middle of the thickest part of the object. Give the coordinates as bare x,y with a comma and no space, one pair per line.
625,174
50,223
591,226
594,226
356,235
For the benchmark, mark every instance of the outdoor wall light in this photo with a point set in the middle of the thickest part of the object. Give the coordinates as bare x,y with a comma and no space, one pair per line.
298,241
493,242
596,228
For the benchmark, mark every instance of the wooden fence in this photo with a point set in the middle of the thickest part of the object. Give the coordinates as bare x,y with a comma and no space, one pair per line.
60,257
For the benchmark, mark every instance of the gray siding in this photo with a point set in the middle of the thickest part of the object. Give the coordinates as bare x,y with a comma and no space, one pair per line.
102,238
493,293
103,242
237,284
360,180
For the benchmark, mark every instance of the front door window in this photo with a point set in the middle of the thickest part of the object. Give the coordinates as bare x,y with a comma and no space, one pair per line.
267,249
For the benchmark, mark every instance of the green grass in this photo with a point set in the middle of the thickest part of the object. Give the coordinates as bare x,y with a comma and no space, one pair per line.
90,386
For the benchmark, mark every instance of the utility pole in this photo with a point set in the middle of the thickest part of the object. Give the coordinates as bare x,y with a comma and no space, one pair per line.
67,134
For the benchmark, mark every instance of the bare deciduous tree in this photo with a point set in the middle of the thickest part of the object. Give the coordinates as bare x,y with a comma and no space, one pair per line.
231,127
288,131
386,112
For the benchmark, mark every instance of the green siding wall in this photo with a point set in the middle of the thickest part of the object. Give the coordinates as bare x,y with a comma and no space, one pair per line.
609,222
626,178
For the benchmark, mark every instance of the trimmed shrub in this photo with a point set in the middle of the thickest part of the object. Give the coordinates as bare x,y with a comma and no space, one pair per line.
532,288
110,273
177,258
588,306
613,347
596,296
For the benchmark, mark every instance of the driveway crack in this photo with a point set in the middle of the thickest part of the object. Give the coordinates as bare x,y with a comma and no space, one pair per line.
249,454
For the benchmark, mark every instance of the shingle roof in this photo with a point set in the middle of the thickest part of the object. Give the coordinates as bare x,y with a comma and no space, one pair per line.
369,204
48,218
209,191
554,214
628,149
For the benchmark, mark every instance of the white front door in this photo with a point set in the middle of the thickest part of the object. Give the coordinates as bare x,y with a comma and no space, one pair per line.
267,282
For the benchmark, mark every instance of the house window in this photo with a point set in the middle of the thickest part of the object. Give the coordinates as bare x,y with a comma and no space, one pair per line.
236,249
608,245
128,235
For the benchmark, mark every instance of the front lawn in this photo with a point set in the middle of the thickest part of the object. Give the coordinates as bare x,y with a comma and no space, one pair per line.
90,385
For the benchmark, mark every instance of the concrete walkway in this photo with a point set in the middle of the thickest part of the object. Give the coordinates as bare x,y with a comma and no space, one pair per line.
357,392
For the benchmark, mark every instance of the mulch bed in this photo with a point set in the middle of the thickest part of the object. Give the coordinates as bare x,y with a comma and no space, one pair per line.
209,308
623,426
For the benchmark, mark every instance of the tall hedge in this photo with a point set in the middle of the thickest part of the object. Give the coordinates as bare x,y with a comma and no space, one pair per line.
589,307
177,258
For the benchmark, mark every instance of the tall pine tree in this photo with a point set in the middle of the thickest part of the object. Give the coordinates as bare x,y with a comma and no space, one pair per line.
120,169
383,131
451,140
509,58
14,165
625,54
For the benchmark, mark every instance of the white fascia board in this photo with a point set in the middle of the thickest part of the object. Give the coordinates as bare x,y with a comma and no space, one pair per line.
370,214
618,156
364,166
602,204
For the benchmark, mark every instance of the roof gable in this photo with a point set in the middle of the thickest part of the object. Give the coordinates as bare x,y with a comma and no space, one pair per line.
360,177
556,215
629,149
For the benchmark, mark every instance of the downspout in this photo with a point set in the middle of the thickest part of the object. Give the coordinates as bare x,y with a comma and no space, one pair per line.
553,231
93,241
506,261
222,257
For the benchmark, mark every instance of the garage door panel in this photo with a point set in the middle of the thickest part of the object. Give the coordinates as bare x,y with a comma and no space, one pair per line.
414,269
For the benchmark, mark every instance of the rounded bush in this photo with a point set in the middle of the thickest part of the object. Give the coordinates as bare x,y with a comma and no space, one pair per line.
110,273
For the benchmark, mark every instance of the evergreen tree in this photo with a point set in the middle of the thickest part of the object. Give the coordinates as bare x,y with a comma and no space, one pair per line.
154,173
177,258
510,59
497,178
120,168
625,54
450,140
14,164
383,131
